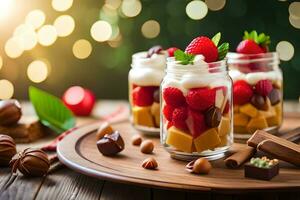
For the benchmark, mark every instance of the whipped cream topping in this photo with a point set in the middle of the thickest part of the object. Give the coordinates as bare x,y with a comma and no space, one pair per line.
196,75
253,78
148,71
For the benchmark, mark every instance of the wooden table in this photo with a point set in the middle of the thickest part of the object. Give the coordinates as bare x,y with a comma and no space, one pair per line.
66,184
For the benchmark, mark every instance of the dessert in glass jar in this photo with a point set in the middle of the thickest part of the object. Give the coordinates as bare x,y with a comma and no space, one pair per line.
145,76
257,86
196,101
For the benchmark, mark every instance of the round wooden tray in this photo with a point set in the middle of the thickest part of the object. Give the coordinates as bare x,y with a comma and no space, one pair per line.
79,152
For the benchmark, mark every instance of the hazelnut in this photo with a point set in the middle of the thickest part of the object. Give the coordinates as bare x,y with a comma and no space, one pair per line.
104,129
149,163
7,149
136,140
147,146
199,166
10,112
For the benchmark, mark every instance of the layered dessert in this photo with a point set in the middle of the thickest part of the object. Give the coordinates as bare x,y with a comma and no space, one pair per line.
196,101
148,70
257,88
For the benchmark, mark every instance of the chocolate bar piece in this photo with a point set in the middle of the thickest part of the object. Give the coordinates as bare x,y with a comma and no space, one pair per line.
252,171
25,133
275,146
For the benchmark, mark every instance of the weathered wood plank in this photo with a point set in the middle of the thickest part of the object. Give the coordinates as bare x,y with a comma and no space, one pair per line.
117,191
67,184
159,194
22,188
4,176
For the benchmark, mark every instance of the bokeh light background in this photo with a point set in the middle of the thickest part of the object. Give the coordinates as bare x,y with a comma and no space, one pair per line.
55,44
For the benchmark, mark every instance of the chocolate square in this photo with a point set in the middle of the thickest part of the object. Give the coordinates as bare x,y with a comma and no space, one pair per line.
252,171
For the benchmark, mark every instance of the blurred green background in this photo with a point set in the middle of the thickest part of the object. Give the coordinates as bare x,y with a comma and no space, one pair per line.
105,70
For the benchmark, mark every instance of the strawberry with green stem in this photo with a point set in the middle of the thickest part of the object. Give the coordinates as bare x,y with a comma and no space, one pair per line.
254,43
203,46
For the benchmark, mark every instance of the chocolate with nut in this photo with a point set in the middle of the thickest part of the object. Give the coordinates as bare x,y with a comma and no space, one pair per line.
31,162
7,149
10,112
111,144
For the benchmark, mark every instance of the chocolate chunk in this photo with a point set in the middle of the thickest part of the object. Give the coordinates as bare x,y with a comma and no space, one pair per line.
154,50
156,96
31,162
275,96
111,144
7,149
213,117
258,101
10,112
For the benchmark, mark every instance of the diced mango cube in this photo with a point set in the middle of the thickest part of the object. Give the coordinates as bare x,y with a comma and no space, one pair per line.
207,140
179,140
224,127
257,123
248,109
240,119
277,118
240,129
236,109
155,111
142,116
268,113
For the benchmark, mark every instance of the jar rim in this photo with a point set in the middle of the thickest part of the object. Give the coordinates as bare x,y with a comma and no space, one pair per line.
239,58
172,66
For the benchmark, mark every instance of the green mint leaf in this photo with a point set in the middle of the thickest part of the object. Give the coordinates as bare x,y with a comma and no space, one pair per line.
246,35
223,50
183,57
51,110
216,39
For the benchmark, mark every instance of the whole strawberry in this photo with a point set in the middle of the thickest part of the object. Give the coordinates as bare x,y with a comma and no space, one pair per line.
208,48
203,45
253,43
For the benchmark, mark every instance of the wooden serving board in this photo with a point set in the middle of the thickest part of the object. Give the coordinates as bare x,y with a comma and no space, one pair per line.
79,152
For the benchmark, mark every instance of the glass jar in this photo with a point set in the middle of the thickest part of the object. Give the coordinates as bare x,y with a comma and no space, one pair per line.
144,81
196,105
257,93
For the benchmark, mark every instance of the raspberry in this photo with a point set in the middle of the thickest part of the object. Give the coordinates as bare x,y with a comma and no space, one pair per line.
249,47
201,98
263,87
171,51
173,96
143,96
242,92
168,112
179,116
196,123
203,45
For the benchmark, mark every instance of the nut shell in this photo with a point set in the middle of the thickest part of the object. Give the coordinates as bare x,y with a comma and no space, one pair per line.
213,117
136,140
199,166
103,130
31,162
149,163
7,149
10,112
147,146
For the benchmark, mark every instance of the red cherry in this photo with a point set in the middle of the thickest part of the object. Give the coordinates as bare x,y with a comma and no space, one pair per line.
79,100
